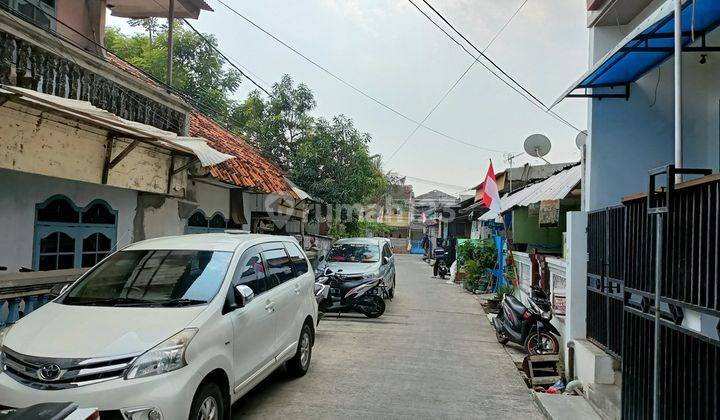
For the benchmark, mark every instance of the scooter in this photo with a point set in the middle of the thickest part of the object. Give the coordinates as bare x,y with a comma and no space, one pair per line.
337,295
529,325
442,268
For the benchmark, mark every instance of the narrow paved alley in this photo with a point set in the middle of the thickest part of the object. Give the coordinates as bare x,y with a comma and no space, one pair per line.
431,355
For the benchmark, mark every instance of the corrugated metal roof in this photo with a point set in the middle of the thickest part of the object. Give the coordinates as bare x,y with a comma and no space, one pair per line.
87,113
555,187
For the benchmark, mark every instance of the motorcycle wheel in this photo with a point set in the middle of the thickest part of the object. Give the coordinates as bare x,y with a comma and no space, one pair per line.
375,308
500,335
548,344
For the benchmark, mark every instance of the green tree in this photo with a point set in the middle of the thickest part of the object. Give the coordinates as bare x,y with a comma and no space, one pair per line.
333,163
277,125
198,71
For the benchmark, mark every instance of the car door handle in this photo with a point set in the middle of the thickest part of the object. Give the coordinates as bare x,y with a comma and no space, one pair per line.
296,289
270,307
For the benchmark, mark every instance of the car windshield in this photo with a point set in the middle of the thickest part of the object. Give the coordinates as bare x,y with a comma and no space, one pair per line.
152,278
358,253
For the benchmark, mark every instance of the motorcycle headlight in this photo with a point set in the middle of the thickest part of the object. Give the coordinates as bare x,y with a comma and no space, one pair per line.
546,315
163,358
371,274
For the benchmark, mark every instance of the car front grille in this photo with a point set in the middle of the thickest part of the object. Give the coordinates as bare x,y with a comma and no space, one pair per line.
71,373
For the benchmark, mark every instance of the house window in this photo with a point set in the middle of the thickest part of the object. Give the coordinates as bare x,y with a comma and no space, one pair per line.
199,223
39,12
67,236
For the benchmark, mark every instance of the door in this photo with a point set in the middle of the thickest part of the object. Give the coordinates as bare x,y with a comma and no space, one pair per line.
284,297
254,326
302,288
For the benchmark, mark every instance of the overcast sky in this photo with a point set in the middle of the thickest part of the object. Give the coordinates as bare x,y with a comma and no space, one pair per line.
389,50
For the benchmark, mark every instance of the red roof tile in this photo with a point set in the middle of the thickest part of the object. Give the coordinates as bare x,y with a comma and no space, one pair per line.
248,169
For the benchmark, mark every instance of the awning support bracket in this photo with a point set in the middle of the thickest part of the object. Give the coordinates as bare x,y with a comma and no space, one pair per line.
190,163
123,154
600,96
108,156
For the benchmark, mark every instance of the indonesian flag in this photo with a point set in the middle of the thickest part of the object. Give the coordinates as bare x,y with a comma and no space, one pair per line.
491,196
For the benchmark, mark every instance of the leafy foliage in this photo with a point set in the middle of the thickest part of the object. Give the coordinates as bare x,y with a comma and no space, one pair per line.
504,289
198,70
477,254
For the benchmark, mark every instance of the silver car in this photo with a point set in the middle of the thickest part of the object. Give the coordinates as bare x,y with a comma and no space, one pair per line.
357,258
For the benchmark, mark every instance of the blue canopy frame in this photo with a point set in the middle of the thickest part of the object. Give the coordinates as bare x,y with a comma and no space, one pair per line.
647,47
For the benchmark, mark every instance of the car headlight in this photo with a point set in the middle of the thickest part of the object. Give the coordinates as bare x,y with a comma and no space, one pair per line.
163,358
371,274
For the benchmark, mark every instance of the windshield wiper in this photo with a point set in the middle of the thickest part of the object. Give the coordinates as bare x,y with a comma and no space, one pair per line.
109,302
182,302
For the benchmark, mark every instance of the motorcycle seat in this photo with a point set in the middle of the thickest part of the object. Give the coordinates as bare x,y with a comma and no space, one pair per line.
347,285
514,304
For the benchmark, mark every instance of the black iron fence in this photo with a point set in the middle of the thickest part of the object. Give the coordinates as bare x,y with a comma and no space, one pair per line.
621,295
606,256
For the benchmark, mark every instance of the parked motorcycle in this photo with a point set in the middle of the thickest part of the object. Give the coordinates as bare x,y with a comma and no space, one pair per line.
529,325
440,269
338,295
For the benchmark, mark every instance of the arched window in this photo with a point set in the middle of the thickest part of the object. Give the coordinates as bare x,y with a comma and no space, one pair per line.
199,223
67,236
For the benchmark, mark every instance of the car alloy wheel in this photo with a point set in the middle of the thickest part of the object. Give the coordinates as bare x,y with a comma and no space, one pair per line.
305,349
208,409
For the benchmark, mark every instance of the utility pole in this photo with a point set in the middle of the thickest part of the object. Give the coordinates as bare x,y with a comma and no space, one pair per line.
171,19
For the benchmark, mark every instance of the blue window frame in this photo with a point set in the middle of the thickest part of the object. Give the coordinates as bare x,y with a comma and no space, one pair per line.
198,222
68,236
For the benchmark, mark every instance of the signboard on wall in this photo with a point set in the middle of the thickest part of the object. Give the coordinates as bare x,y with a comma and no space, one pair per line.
549,214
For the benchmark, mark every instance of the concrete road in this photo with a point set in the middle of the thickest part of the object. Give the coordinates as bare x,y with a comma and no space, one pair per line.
431,355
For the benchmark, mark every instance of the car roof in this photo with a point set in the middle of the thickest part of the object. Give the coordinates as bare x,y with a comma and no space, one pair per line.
373,241
207,241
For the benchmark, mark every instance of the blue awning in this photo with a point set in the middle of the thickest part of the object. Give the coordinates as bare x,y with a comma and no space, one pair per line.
649,45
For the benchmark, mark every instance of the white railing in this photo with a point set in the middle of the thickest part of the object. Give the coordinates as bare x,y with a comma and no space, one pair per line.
558,282
523,265
22,293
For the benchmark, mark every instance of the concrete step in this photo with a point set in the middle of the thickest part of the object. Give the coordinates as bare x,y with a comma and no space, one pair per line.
565,407
605,399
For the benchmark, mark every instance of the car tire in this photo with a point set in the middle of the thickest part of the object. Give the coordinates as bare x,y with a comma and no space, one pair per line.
391,292
208,403
300,363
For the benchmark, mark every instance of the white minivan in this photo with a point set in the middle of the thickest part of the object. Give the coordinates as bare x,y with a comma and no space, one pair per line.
168,328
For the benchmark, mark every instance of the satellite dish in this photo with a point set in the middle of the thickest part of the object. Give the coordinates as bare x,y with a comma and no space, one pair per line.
537,145
580,139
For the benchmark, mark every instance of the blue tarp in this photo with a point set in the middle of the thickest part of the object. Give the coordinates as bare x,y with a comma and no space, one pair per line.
627,62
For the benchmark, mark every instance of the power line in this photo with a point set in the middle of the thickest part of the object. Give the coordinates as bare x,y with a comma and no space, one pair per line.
452,87
535,100
350,85
217,50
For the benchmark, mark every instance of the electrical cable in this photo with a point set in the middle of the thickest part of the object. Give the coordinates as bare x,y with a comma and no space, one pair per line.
454,85
348,84
536,101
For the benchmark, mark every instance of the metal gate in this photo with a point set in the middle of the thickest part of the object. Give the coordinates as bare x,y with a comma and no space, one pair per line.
690,304
605,273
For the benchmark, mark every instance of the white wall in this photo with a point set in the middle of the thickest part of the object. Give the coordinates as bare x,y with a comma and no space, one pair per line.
628,138
212,199
20,192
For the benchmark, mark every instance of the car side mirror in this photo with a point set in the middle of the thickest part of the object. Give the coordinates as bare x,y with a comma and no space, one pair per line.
58,290
243,295
386,260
